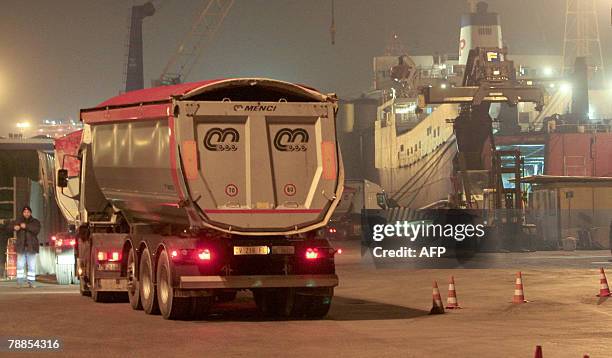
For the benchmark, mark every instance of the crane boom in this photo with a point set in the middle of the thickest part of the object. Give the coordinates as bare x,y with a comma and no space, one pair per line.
190,49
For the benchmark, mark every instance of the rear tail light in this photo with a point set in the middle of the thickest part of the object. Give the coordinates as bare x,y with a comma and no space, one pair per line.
114,256
174,253
109,256
339,251
204,255
101,256
312,254
63,242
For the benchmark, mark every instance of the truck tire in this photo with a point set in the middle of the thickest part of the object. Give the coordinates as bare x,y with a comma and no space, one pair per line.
170,307
146,285
133,285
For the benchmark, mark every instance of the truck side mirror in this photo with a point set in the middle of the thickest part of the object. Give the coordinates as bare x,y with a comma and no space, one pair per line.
62,178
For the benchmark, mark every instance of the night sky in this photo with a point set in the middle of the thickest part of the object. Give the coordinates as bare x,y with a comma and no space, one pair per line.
61,55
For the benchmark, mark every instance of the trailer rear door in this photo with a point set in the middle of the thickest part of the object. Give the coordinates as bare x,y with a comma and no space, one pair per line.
260,166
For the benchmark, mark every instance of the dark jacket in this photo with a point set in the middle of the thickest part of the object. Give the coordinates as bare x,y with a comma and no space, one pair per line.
27,240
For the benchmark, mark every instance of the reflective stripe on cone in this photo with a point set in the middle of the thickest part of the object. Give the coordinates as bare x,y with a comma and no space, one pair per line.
604,289
437,306
451,300
519,294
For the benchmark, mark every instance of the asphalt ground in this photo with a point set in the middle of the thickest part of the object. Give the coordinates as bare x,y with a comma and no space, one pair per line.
376,312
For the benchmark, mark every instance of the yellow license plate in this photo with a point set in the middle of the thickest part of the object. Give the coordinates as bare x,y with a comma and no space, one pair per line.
251,250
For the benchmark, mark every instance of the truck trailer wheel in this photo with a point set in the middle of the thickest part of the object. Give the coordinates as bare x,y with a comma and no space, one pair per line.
133,285
147,287
170,307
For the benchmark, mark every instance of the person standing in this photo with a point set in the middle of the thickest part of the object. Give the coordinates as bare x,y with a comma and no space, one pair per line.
26,228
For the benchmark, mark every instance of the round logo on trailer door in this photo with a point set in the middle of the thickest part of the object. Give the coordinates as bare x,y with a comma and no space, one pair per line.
231,190
290,190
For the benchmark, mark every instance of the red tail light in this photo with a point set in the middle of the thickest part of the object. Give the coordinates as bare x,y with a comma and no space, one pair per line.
59,242
72,242
339,251
174,253
204,255
312,254
109,256
53,238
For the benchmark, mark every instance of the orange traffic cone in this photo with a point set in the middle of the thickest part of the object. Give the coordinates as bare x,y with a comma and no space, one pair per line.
604,289
538,352
519,294
451,300
437,307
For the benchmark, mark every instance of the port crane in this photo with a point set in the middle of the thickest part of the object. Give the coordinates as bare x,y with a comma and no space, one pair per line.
210,17
488,78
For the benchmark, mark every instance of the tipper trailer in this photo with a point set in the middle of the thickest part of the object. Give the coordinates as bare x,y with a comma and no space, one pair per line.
186,194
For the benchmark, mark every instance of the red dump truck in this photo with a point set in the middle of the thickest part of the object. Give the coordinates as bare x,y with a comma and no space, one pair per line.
185,194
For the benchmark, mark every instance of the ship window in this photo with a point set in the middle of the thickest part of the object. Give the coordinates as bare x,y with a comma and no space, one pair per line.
401,148
428,130
419,144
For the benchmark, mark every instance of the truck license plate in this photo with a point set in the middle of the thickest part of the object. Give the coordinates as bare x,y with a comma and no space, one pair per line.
251,250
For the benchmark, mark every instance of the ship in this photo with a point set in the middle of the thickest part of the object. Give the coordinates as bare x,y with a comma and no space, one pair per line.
412,150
